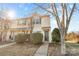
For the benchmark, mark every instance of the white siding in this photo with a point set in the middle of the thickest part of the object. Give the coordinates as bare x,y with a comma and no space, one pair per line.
37,28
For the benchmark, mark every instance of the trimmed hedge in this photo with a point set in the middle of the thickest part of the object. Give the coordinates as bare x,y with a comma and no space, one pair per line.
37,38
21,38
56,35
27,37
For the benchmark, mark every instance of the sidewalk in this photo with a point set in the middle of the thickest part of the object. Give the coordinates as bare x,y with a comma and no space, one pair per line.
2,46
42,51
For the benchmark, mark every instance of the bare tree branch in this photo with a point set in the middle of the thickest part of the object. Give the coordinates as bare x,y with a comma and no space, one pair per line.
56,14
63,18
43,8
67,25
66,17
72,12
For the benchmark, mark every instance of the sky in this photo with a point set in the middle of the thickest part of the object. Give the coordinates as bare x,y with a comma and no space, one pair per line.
21,10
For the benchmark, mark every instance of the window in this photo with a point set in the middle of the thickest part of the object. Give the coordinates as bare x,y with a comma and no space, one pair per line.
22,22
36,20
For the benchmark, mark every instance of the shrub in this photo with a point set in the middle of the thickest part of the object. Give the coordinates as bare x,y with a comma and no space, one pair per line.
20,38
56,35
37,38
27,37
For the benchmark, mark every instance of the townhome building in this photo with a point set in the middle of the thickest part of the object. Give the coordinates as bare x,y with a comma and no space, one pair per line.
32,24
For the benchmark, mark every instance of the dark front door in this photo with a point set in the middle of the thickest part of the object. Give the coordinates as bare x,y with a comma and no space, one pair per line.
46,35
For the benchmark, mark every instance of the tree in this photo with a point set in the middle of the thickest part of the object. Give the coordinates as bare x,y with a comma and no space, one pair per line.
63,22
56,35
5,24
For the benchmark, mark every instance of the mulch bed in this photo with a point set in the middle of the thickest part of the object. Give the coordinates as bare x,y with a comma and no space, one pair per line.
54,50
26,49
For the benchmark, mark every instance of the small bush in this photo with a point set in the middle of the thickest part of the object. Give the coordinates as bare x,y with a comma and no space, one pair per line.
27,37
56,35
37,38
20,38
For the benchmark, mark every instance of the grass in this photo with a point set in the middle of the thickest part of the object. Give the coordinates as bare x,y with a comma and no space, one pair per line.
26,49
72,49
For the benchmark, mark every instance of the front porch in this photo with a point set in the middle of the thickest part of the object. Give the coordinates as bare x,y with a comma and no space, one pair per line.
46,34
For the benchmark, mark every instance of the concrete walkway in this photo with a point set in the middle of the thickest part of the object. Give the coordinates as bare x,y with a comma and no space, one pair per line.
5,45
42,51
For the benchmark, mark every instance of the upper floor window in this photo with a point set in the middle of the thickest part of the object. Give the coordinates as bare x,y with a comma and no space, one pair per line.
36,20
22,22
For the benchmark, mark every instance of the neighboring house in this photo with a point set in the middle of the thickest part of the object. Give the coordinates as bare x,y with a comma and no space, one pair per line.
32,24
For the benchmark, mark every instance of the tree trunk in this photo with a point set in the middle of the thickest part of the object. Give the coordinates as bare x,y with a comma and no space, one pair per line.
63,48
